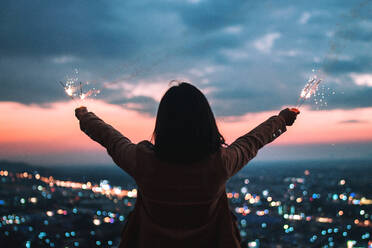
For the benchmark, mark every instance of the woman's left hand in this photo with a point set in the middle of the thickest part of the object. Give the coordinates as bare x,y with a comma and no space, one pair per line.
289,115
80,112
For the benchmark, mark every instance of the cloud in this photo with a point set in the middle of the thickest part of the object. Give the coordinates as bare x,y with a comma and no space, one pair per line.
42,28
194,1
352,121
289,53
253,55
153,90
338,65
304,18
210,15
362,79
233,29
142,104
356,33
351,98
265,43
235,54
64,59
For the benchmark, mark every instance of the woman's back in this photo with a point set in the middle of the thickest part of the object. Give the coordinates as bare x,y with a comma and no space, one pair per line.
180,205
181,199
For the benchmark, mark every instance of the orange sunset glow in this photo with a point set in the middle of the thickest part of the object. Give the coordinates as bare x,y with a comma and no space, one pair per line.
32,129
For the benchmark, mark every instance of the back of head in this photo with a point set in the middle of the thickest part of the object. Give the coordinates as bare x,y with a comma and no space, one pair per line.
185,129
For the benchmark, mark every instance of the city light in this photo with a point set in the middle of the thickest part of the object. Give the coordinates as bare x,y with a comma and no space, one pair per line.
287,206
96,222
324,220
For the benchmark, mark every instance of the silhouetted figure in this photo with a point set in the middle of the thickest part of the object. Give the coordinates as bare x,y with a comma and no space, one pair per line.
181,200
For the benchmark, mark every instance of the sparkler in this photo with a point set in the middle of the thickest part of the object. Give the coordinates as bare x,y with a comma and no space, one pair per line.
81,88
310,88
75,91
69,90
92,92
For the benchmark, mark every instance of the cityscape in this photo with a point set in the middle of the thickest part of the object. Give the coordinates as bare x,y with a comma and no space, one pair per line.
250,60
294,204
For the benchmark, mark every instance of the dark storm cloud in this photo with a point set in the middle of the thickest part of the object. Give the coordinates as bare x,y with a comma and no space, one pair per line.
44,28
356,33
361,97
362,64
259,51
26,81
208,16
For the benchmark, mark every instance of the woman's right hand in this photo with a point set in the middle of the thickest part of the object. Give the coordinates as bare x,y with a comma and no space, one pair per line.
289,115
80,111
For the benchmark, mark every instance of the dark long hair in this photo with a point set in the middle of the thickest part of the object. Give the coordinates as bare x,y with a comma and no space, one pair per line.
185,129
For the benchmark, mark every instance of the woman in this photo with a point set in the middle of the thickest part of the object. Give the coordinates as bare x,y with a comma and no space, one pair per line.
181,200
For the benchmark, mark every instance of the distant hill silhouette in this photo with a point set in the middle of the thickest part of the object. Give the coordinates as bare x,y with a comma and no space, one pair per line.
20,166
118,177
73,172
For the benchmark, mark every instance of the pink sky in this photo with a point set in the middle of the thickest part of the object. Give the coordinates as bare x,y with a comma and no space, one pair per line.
51,135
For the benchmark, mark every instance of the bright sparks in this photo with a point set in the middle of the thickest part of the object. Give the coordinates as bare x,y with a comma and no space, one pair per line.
309,90
75,88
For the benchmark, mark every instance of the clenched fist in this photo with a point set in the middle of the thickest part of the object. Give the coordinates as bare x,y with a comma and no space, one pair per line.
289,115
80,111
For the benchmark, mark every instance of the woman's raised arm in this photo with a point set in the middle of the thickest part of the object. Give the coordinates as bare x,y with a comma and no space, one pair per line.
246,147
119,147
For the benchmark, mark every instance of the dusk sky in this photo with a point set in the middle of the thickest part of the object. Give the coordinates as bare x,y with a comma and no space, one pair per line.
250,58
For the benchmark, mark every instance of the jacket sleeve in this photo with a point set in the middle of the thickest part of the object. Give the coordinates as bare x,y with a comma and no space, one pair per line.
120,148
246,147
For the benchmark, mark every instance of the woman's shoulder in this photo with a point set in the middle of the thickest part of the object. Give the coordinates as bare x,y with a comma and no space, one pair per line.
145,146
